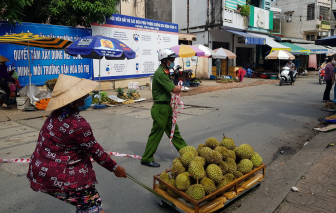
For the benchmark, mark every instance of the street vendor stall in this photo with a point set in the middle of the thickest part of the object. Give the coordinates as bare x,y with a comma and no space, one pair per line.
32,40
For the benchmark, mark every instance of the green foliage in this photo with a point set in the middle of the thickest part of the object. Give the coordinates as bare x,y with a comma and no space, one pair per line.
245,10
61,12
13,10
325,22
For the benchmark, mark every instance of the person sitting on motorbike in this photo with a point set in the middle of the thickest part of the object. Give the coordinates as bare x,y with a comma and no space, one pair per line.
324,64
291,65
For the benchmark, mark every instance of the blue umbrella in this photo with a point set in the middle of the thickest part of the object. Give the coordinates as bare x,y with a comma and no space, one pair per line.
98,47
328,41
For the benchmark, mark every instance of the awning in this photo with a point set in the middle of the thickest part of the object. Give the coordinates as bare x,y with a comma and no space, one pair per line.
296,49
187,36
249,38
270,42
231,4
317,49
32,40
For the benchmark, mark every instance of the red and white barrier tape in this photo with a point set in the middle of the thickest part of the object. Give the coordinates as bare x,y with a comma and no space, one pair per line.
27,160
175,101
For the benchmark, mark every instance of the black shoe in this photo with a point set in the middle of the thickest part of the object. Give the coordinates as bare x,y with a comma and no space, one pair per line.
150,164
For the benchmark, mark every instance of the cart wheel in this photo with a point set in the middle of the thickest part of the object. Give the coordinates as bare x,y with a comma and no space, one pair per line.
162,204
280,82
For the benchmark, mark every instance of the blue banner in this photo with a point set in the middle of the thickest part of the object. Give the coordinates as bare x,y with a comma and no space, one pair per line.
147,24
45,64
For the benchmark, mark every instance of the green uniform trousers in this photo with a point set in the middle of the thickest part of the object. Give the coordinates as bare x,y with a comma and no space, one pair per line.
162,115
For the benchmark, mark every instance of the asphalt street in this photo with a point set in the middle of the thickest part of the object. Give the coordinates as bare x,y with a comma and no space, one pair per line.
267,117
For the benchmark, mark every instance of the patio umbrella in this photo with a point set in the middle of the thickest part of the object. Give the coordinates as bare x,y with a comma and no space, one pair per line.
187,51
328,41
207,53
32,40
98,47
281,55
222,53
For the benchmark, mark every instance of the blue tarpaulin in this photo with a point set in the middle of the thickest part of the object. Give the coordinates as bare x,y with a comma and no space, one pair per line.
249,38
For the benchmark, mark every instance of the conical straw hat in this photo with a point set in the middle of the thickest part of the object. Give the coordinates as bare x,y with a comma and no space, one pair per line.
68,89
3,59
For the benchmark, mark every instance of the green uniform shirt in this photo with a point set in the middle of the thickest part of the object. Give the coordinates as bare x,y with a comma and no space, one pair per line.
162,85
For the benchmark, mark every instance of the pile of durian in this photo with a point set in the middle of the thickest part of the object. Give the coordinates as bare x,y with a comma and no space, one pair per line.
213,165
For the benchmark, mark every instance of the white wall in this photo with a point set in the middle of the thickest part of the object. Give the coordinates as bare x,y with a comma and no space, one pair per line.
197,13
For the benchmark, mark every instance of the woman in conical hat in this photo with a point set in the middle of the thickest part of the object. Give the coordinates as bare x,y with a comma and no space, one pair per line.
60,165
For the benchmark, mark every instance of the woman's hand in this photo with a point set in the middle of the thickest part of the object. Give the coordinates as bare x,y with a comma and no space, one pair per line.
120,172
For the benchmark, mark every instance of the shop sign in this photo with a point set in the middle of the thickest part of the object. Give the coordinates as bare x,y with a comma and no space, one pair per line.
45,64
144,36
260,18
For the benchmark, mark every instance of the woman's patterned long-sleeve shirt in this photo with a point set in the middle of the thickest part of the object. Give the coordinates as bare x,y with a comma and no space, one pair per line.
61,160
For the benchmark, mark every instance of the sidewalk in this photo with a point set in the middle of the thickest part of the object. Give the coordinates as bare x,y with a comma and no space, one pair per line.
317,188
310,169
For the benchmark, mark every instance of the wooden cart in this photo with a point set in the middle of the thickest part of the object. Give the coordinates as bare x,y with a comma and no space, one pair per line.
199,205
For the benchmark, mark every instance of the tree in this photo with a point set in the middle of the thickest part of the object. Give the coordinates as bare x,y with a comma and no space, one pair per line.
12,10
67,12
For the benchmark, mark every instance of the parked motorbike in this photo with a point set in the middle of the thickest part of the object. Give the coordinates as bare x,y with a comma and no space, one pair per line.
285,77
321,76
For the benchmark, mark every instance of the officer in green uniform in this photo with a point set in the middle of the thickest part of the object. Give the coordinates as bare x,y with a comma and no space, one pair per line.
162,112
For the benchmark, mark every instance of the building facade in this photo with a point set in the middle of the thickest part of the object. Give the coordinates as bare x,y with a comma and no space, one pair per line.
308,20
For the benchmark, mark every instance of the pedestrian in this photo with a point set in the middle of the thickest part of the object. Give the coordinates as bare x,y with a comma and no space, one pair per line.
60,165
334,63
4,79
241,73
218,64
162,111
329,78
291,66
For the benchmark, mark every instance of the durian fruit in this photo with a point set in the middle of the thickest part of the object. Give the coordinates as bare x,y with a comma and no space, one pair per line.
245,166
238,174
201,146
213,157
224,167
186,158
178,159
196,169
227,143
196,191
223,183
170,192
223,151
229,176
200,159
165,177
256,160
212,143
231,154
214,173
188,149
205,151
232,166
182,181
209,185
245,151
177,169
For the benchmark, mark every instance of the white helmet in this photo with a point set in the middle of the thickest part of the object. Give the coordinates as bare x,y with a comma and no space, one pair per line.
167,53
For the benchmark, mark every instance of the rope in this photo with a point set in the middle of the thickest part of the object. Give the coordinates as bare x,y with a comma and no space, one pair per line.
175,101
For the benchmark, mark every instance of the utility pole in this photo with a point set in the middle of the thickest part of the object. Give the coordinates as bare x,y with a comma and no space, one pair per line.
188,16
